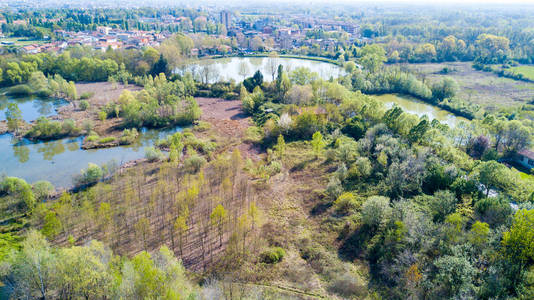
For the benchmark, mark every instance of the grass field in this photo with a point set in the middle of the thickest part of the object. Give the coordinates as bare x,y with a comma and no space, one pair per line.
483,88
22,41
526,71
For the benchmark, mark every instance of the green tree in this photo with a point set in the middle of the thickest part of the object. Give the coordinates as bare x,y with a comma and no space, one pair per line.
518,244
218,219
372,57
13,117
318,143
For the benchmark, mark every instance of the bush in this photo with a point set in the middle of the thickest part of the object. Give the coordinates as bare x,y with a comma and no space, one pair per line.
194,163
128,136
272,256
18,190
90,176
20,90
202,126
153,154
346,203
86,95
102,115
348,286
45,129
84,105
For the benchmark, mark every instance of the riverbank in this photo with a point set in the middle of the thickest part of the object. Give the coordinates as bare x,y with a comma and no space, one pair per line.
266,54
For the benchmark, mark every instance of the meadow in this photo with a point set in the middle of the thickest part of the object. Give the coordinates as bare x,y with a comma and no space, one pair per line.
483,88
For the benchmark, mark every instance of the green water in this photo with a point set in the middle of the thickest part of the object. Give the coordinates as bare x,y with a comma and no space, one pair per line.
420,108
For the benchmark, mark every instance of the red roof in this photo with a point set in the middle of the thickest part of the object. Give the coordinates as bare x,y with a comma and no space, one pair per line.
527,153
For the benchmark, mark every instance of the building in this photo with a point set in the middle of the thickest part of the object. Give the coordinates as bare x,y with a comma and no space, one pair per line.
525,158
225,17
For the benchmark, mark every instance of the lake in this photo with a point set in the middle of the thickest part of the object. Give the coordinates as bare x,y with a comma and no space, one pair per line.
224,69
31,107
58,161
420,108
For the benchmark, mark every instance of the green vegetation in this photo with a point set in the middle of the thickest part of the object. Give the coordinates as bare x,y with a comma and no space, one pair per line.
526,72
45,129
336,196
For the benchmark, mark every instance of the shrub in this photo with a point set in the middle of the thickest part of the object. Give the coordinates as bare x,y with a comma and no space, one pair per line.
194,163
45,129
19,190
102,115
84,105
87,125
20,90
153,154
42,189
106,140
89,176
273,255
348,286
346,203
128,136
202,126
86,95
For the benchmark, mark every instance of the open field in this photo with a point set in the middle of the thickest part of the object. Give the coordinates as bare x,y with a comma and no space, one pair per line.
21,41
483,88
526,71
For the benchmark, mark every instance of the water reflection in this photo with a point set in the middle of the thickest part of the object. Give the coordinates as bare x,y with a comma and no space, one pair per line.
58,161
420,108
31,107
236,68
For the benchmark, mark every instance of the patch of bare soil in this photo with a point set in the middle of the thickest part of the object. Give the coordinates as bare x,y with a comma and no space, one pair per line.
103,92
229,120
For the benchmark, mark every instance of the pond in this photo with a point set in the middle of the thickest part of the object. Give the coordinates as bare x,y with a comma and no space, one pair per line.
31,107
59,161
238,68
420,108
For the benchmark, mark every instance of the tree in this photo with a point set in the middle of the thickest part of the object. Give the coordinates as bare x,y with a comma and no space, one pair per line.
318,143
418,131
217,217
181,227
84,271
445,89
31,273
518,245
376,211
243,69
494,175
252,82
42,190
280,146
479,233
13,117
272,63
160,66
299,94
142,228
283,83
372,57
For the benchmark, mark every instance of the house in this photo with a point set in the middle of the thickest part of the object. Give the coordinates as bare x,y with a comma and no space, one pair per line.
525,158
